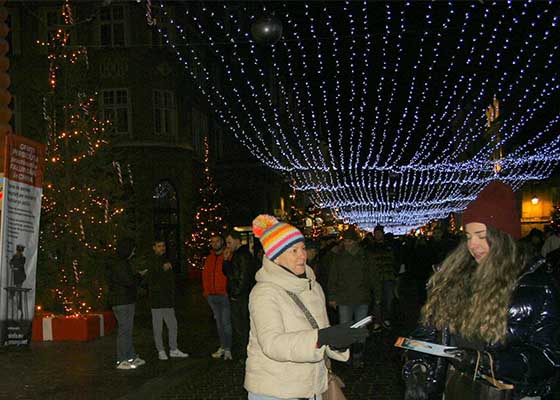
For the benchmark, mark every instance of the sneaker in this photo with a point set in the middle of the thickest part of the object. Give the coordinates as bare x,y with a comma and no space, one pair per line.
218,353
137,362
125,365
227,355
387,324
162,355
177,354
376,328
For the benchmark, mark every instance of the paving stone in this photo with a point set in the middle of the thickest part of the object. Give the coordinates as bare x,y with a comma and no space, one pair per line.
67,370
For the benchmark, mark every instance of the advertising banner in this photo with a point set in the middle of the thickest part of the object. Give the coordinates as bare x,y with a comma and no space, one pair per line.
19,237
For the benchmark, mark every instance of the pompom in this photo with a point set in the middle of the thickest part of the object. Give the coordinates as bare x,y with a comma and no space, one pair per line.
262,223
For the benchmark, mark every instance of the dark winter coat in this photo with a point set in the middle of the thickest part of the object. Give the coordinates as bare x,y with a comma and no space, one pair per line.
352,278
530,357
240,272
121,277
384,260
161,283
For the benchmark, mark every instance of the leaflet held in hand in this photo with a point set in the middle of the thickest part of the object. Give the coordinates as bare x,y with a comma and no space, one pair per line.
424,347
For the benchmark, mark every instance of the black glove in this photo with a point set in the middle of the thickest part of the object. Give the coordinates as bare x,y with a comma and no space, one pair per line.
416,387
341,336
466,360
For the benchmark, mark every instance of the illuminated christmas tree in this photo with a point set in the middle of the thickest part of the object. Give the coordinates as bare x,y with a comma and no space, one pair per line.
209,217
452,224
82,210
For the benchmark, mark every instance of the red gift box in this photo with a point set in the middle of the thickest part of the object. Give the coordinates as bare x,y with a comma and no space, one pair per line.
81,328
108,322
75,328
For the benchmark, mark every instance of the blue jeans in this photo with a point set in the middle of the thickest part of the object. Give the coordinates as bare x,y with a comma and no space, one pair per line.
253,396
222,314
125,318
354,313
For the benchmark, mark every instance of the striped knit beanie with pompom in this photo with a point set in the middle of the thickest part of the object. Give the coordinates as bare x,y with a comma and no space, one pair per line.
276,237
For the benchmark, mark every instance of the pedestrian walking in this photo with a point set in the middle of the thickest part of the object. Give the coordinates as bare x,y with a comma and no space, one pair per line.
239,267
497,306
214,288
123,281
383,256
351,277
161,286
286,354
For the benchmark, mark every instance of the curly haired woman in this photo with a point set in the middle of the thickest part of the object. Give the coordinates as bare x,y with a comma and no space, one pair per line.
497,306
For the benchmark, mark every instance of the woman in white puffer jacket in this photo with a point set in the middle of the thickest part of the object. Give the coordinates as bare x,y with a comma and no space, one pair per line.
286,355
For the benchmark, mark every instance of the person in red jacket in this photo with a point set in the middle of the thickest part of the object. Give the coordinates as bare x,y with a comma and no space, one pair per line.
214,284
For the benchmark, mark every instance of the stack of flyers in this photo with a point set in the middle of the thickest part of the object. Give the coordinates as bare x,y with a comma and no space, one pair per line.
424,347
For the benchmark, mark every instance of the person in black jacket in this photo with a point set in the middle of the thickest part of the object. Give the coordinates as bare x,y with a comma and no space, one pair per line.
161,287
239,267
497,306
122,281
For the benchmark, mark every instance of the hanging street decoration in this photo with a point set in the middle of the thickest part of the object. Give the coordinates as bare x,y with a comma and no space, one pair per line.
391,113
266,30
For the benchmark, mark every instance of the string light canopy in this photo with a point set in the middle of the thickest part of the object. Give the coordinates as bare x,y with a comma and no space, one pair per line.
392,113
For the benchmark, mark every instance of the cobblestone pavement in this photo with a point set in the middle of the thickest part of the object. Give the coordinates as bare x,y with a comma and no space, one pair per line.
58,370
378,379
71,370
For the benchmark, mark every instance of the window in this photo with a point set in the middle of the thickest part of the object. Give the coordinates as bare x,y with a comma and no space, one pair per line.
165,113
166,219
218,142
54,23
116,109
199,75
163,28
112,24
159,36
199,131
13,36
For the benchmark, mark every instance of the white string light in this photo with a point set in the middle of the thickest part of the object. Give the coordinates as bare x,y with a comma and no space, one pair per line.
377,109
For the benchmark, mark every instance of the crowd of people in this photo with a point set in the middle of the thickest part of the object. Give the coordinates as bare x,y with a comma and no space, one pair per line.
285,306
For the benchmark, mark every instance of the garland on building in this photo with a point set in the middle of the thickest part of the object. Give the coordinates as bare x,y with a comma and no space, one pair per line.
209,217
82,213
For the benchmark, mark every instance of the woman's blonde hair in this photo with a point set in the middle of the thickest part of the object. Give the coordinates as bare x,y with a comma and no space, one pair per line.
473,300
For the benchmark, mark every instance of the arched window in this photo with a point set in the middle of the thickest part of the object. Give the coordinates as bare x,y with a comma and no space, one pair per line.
166,219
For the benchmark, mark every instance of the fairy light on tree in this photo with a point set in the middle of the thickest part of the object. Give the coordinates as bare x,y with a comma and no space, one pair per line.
452,224
82,211
209,217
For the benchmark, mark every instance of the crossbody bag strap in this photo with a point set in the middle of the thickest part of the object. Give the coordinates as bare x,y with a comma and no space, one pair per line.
306,312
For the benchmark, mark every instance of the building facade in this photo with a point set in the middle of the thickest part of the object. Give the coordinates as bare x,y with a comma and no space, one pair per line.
159,118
